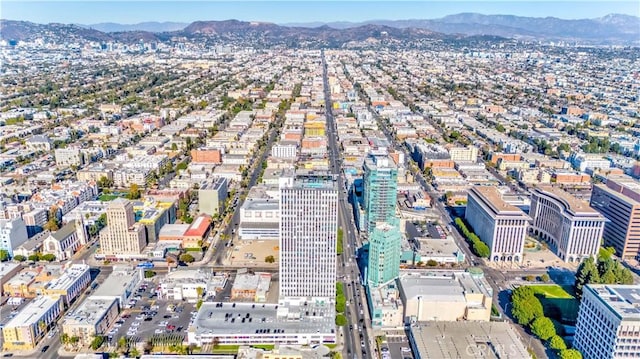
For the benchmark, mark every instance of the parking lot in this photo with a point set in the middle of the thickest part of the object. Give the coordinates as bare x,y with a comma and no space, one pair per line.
145,316
395,346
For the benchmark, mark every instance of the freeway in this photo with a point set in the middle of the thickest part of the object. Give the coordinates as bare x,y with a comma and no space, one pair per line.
357,308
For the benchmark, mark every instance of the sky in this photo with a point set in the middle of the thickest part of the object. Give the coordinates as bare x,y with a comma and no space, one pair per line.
282,12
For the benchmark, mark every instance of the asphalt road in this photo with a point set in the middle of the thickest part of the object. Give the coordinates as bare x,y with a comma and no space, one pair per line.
496,278
357,308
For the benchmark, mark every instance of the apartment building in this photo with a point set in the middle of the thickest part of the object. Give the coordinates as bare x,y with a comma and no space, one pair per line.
571,226
122,237
619,201
285,149
70,156
463,154
308,236
13,233
608,323
92,318
380,190
502,226
26,329
206,155
212,196
383,265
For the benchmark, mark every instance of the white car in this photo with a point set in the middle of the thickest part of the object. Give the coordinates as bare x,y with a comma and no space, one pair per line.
405,350
135,324
163,324
159,331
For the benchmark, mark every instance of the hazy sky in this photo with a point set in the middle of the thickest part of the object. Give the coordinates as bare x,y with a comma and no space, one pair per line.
129,12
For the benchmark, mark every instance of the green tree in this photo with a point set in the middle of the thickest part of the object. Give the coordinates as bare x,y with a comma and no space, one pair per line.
543,328
341,320
545,277
34,257
187,258
432,263
134,353
19,258
104,182
174,147
587,273
4,255
199,304
269,259
48,257
525,306
51,225
557,343
570,354
149,274
97,342
605,253
134,192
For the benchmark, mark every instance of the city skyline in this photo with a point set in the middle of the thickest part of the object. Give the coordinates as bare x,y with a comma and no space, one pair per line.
287,12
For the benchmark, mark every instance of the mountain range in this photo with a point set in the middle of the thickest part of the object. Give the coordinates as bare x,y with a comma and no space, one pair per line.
610,29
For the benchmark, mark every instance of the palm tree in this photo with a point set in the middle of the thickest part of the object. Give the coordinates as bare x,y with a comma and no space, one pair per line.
42,326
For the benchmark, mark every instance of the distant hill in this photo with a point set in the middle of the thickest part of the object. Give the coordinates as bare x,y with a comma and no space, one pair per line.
143,26
610,29
613,28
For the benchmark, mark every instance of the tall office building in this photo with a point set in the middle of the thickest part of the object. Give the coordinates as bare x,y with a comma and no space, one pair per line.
608,323
308,236
122,236
380,190
384,254
619,202
572,227
502,226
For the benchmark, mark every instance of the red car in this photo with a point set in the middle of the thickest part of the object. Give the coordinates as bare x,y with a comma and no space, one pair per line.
171,327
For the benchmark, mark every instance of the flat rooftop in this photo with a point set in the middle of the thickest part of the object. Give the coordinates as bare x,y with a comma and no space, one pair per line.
173,230
494,201
69,277
260,204
624,300
439,286
571,203
6,268
462,340
33,311
227,318
117,282
90,312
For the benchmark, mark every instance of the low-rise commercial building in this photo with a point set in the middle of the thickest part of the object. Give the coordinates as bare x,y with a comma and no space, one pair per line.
573,229
247,323
449,296
466,340
7,271
70,284
26,329
119,285
92,318
253,286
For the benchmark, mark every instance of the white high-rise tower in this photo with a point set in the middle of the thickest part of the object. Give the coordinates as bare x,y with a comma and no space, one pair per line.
308,237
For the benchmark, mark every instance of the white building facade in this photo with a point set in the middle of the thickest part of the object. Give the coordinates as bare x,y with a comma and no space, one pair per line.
503,227
308,236
608,323
571,226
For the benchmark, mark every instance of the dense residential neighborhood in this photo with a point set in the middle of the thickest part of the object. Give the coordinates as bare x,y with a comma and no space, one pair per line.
377,199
